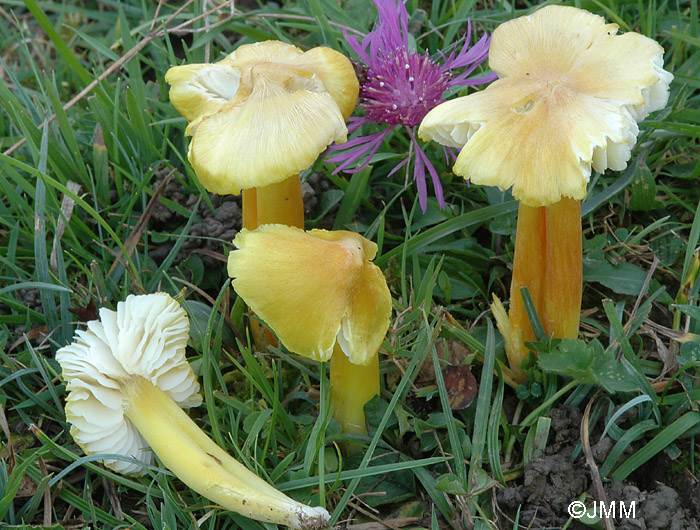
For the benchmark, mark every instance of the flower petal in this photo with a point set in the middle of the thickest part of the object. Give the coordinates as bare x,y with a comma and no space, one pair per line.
309,285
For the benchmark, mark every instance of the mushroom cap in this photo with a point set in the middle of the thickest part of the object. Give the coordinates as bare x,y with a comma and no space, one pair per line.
569,96
313,288
145,337
263,113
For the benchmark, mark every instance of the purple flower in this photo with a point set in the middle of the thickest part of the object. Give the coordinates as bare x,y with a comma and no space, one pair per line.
401,86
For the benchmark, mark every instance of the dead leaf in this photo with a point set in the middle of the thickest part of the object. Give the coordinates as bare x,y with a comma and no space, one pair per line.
33,334
67,205
455,355
27,487
87,313
461,386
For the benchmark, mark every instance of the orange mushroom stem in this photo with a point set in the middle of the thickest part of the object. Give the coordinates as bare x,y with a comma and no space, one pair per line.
548,262
278,203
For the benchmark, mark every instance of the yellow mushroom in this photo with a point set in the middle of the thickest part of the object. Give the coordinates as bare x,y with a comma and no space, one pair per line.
127,379
260,116
322,296
569,96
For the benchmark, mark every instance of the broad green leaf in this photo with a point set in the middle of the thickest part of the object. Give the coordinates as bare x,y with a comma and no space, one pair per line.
386,489
451,484
588,363
643,191
623,278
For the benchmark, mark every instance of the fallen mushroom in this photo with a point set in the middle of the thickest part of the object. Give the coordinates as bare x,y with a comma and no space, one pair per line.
324,299
260,116
569,95
127,379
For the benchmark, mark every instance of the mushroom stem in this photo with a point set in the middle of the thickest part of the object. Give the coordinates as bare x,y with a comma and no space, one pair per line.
547,260
249,207
352,386
281,203
206,468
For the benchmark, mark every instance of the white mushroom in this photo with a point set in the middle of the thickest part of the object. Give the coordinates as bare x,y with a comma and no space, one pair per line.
127,380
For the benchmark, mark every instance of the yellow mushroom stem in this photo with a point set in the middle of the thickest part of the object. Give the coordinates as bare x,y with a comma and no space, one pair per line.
206,468
352,386
249,201
279,203
548,262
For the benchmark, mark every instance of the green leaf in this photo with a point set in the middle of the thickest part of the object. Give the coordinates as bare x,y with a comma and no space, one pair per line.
328,199
633,434
483,406
588,363
356,190
643,191
692,311
388,488
690,352
328,36
623,278
450,483
594,200
667,436
62,48
493,441
14,481
200,314
667,248
375,409
417,243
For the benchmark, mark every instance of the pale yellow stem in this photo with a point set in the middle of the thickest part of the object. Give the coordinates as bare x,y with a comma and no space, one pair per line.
206,468
352,386
548,261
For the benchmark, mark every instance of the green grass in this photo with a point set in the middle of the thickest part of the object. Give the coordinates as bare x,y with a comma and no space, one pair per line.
80,161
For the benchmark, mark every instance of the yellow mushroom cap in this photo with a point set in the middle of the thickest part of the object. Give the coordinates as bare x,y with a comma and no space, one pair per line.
569,96
313,288
263,113
145,337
